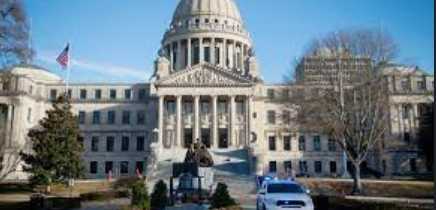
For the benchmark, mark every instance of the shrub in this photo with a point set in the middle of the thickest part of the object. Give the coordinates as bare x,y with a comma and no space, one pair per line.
221,197
140,196
159,197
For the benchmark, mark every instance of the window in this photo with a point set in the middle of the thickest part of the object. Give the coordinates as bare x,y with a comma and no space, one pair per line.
94,143
93,166
140,117
108,166
272,143
286,117
412,163
270,93
303,166
332,145
406,111
407,137
97,95
29,115
420,85
207,54
333,168
187,107
96,117
287,165
302,143
271,117
82,94
125,143
217,55
285,93
141,94
206,20
53,94
317,143
140,142
284,188
110,143
112,94
126,117
139,167
70,93
272,166
287,143
405,86
82,116
222,107
240,107
128,94
124,167
111,117
318,167
196,55
205,107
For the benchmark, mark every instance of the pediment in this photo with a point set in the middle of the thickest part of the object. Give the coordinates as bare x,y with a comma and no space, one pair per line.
204,75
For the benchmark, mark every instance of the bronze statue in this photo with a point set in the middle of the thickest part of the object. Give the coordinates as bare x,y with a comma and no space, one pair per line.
198,153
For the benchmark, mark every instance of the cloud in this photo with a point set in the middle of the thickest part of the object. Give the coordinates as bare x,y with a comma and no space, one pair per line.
98,67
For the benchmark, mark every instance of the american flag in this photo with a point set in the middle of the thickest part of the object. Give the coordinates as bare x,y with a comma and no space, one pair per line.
64,58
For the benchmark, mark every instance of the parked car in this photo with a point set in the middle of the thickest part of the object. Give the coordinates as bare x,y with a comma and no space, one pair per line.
283,194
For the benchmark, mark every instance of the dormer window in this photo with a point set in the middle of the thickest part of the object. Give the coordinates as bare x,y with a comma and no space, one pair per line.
217,21
206,20
197,21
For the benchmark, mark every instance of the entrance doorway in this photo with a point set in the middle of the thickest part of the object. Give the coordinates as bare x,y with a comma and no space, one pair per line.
187,137
223,141
205,137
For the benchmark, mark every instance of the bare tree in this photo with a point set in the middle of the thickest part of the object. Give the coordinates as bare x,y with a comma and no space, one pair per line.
345,94
14,34
14,49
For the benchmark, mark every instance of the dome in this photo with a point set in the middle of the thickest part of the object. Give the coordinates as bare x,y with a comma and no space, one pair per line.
36,73
223,8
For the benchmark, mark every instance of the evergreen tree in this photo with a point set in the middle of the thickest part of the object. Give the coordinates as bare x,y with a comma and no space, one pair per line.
159,197
221,197
57,150
140,198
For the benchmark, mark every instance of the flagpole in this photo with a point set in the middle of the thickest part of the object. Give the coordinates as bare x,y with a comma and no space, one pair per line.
67,82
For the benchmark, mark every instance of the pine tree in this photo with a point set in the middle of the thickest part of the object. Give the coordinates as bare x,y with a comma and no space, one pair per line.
140,196
221,197
57,150
159,197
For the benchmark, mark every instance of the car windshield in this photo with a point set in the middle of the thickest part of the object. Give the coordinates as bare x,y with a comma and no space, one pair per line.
284,188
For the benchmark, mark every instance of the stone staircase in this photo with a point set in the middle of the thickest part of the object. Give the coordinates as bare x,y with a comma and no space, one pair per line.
230,165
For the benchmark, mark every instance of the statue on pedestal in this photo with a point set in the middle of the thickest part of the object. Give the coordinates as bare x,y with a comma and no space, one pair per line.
198,153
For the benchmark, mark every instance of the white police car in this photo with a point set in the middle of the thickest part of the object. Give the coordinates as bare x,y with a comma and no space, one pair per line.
283,194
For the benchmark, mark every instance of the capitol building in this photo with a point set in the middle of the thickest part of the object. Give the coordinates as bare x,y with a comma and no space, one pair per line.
207,85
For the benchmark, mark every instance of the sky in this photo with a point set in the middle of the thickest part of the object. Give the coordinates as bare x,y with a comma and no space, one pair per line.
118,41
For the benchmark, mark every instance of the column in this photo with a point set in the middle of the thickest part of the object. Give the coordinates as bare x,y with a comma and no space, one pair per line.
172,64
178,140
196,117
179,55
9,126
214,121
234,55
212,51
200,45
232,121
224,54
160,120
243,58
249,105
188,45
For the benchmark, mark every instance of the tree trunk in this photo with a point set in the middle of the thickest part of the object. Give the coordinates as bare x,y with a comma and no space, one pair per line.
357,185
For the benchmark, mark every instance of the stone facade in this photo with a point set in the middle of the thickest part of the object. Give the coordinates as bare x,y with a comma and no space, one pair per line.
206,86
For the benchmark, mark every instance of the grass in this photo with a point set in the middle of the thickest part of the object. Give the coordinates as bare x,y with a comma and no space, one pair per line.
401,189
338,203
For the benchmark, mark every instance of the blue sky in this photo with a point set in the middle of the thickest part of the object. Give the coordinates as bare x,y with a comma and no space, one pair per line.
117,41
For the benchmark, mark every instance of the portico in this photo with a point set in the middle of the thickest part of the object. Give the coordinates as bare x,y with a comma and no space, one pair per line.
219,121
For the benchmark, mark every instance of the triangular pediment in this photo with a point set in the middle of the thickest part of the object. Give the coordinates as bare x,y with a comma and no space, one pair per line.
204,75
